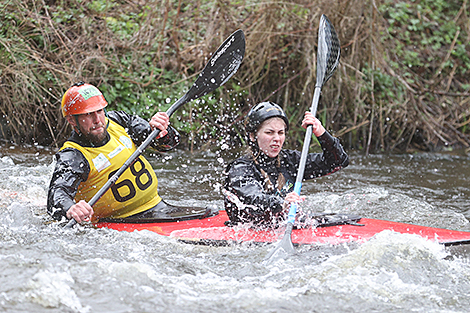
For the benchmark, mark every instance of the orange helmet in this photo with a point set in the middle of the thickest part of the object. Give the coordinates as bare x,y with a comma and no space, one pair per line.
82,98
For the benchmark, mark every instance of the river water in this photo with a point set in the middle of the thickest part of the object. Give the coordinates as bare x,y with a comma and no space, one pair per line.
46,268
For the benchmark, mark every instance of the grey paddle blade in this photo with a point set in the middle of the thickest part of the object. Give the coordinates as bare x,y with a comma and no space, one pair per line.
329,50
284,248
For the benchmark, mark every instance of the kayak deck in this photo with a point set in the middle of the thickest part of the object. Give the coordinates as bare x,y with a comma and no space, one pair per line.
212,231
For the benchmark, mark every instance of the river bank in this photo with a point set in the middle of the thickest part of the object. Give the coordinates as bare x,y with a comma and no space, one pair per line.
402,83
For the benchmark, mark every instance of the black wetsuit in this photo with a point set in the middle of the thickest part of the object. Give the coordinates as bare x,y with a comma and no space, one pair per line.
72,167
248,180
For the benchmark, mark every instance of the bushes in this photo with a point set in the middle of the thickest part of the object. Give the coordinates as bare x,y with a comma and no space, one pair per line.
402,83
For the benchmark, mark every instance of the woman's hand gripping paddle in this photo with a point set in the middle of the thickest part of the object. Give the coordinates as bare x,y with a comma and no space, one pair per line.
327,59
221,66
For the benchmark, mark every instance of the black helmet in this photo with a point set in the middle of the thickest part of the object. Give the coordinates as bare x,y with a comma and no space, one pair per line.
261,112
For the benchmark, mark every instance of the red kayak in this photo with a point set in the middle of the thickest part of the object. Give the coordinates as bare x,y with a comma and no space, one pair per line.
212,231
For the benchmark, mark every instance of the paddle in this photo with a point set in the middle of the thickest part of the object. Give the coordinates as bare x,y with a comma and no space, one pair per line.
327,59
221,66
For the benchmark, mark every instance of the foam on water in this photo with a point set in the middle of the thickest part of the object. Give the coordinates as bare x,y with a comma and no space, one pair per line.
398,270
51,290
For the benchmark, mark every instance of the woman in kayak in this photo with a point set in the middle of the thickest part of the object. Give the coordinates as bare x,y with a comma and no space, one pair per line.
258,187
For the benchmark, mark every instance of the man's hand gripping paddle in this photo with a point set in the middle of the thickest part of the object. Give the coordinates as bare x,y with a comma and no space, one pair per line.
327,60
221,66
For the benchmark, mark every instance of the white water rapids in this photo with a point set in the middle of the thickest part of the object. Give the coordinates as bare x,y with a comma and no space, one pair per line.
45,268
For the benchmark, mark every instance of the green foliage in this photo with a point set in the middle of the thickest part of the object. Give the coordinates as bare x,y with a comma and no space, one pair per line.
386,87
101,6
421,30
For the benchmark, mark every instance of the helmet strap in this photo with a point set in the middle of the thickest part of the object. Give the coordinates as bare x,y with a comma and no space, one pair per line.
77,127
107,117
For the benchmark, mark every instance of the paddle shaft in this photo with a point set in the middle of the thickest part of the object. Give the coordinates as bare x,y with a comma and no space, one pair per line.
154,134
303,156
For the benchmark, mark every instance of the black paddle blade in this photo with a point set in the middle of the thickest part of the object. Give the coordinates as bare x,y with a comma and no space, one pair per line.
329,50
221,66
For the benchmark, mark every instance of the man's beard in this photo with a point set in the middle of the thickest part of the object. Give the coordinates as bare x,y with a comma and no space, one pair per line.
97,140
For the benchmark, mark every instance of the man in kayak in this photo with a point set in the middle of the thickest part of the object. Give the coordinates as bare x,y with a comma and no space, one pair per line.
99,145
258,187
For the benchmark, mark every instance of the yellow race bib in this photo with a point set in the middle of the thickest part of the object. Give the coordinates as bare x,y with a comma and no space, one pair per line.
136,189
